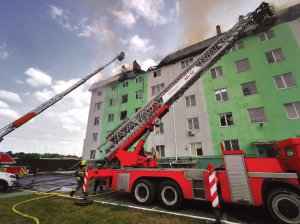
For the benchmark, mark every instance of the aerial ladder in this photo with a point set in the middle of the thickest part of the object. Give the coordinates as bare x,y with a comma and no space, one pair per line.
27,117
116,147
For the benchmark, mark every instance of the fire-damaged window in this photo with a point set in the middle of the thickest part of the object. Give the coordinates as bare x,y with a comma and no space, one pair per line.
139,94
226,119
157,73
99,93
266,36
111,118
96,121
196,149
123,115
257,115
221,95
139,79
242,65
93,154
125,84
190,101
249,88
124,98
193,123
156,89
216,72
274,56
239,45
161,150
293,110
285,81
186,63
232,144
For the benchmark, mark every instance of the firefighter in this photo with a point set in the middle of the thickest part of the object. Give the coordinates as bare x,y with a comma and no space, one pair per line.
98,181
80,172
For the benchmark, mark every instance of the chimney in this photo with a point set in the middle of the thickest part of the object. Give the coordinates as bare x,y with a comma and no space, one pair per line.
124,69
218,28
135,66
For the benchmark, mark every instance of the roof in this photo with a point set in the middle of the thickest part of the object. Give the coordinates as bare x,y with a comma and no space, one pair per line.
284,15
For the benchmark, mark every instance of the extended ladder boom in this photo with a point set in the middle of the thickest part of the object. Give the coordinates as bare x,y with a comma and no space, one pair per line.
136,127
27,117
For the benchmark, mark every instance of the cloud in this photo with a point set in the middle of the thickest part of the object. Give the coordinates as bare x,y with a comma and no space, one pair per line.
73,119
3,105
139,44
3,53
60,16
11,96
9,113
147,64
125,17
44,95
37,77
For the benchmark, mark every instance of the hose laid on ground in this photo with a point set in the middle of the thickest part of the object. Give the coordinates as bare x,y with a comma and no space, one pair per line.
46,195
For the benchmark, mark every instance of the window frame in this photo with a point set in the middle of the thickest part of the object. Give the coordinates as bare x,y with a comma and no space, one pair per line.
196,149
217,71
257,122
113,88
124,98
227,120
110,118
266,36
275,60
221,94
138,94
125,84
295,111
237,46
157,73
94,137
231,144
189,100
112,102
139,79
96,121
98,106
92,154
159,150
193,123
252,93
240,71
284,81
122,114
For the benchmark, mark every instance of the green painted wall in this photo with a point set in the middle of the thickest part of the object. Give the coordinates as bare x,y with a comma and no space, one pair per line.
119,106
278,126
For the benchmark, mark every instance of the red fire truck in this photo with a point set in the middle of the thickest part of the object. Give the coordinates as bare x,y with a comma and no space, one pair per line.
7,166
272,182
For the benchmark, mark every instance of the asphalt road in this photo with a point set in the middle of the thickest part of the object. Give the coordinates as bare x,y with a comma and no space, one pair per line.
196,209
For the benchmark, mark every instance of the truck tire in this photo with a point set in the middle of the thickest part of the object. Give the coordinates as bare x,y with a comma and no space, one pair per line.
144,192
284,205
3,185
170,195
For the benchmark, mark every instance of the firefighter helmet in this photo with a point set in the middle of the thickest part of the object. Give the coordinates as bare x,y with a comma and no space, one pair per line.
83,162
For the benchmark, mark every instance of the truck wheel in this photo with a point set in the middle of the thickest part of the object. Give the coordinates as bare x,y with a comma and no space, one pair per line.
284,206
3,185
144,192
170,195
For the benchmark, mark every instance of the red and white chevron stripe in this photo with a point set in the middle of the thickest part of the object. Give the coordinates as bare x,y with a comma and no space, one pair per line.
213,190
86,182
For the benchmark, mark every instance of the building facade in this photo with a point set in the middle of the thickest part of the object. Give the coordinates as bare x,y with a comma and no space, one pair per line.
249,99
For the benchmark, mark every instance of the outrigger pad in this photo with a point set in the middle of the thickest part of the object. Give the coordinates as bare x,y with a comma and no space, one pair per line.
83,202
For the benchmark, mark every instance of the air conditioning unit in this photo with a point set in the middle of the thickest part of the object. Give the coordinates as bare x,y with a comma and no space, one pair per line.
190,133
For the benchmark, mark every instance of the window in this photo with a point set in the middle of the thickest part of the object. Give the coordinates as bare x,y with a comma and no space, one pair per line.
99,93
112,102
266,36
186,63
161,150
196,149
190,101
249,88
94,136
139,94
221,95
293,110
113,88
285,81
123,115
124,98
242,65
226,119
96,121
274,56
289,152
239,45
156,89
157,73
257,115
93,154
160,129
137,109
110,117
125,84
98,106
193,123
139,79
216,72
231,144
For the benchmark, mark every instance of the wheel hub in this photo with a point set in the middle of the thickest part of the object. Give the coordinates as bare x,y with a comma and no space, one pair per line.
288,208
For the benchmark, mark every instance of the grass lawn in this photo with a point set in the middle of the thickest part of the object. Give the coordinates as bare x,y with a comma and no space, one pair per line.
60,210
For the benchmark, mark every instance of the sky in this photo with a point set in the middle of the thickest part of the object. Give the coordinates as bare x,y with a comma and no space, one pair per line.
46,46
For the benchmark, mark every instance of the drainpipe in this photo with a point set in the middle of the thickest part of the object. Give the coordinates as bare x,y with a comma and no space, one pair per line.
174,126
